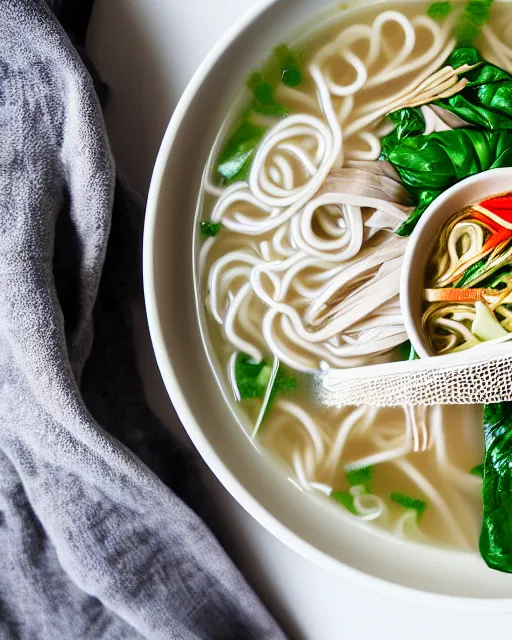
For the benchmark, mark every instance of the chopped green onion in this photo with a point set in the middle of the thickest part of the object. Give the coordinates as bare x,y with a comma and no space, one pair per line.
439,10
345,499
291,77
478,470
409,503
236,156
210,229
360,476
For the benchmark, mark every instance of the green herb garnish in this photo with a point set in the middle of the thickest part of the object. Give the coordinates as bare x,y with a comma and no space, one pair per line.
478,470
253,380
236,156
346,499
210,229
251,377
439,10
409,503
360,476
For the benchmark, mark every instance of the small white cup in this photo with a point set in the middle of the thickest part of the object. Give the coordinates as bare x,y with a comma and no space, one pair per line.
421,243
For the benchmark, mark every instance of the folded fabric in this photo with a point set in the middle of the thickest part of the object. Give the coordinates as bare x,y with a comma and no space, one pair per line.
92,543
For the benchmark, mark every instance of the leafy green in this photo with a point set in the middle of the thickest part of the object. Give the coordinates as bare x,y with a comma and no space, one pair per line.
210,229
478,470
409,122
439,10
486,101
360,476
409,503
429,164
236,156
496,538
251,378
346,499
285,382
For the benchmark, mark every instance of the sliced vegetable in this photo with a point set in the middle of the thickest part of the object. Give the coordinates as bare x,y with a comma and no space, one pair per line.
471,272
485,326
210,229
346,499
495,539
409,503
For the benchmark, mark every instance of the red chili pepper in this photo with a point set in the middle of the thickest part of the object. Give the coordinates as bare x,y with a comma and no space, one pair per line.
500,206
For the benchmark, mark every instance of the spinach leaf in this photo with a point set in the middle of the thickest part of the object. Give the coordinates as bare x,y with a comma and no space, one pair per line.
496,538
486,101
409,122
429,164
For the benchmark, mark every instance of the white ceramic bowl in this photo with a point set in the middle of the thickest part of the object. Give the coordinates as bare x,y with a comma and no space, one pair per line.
421,244
321,532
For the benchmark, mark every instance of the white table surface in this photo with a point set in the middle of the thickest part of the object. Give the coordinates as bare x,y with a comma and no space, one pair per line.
147,50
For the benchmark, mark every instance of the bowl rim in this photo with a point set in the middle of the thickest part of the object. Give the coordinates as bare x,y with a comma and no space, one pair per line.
177,397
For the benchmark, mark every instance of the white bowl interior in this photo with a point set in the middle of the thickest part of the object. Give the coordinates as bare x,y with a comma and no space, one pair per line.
421,244
320,532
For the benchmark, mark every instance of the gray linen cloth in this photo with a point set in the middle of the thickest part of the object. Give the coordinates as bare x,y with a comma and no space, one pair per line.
92,543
